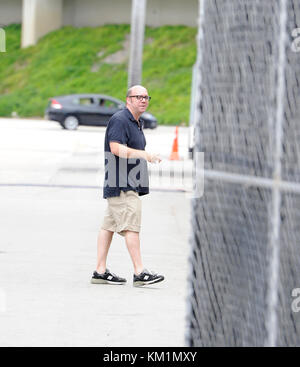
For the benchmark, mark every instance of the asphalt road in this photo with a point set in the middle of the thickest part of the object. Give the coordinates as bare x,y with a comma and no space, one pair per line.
51,210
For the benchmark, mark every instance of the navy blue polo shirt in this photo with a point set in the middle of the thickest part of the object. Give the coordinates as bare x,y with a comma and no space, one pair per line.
123,174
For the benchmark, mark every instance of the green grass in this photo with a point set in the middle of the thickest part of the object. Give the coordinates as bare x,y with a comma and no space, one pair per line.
61,63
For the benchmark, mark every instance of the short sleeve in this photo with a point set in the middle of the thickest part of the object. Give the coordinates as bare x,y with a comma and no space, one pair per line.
116,131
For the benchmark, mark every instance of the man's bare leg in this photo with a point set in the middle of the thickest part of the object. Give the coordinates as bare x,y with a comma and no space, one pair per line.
104,241
133,245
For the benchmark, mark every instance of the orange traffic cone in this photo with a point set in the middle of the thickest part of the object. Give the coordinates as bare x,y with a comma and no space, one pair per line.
174,154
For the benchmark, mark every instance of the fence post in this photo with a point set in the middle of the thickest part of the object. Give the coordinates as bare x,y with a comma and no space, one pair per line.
136,42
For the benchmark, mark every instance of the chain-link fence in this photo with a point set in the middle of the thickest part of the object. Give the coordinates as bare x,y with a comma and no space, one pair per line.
245,252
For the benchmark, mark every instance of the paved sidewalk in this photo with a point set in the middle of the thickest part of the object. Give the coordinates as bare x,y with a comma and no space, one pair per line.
51,209
47,255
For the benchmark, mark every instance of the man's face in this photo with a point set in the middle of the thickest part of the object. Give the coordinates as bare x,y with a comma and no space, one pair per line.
136,101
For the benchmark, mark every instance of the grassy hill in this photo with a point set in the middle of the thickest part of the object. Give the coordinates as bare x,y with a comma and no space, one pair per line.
76,60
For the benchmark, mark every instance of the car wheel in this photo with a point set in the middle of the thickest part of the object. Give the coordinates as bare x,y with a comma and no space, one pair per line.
153,125
71,122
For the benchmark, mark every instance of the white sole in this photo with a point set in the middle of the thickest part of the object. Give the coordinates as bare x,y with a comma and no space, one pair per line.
142,283
102,281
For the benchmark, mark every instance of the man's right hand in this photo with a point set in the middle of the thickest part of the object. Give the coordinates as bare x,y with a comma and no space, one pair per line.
153,158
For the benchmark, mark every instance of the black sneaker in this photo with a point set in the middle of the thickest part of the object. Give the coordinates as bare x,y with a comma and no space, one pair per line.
146,277
107,278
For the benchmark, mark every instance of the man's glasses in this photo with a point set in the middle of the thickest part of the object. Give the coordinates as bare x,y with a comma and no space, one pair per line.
140,98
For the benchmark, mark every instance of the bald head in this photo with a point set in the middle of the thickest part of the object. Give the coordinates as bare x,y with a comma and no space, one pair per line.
136,89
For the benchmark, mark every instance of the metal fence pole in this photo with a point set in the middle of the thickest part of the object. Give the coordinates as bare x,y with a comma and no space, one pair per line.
274,244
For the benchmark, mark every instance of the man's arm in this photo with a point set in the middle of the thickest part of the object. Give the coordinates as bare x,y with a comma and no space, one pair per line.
123,151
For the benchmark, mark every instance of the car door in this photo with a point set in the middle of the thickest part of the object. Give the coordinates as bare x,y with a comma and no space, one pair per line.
106,108
87,110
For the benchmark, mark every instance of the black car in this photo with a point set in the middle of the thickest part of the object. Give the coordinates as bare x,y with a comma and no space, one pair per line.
88,109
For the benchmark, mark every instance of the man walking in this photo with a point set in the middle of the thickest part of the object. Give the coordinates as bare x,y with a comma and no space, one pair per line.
126,178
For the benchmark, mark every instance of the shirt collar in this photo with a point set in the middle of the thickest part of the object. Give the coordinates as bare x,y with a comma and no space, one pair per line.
131,116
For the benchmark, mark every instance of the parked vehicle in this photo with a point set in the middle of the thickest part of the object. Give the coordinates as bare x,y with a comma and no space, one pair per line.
88,109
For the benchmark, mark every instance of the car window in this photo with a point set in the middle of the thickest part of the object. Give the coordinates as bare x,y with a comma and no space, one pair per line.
107,103
86,101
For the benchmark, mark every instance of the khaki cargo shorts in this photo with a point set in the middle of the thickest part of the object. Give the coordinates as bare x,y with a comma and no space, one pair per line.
123,213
